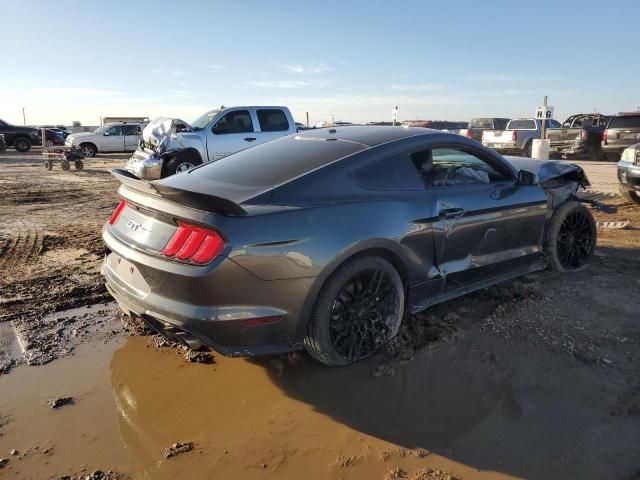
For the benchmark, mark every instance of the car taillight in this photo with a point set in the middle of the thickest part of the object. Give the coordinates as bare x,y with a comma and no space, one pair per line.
514,136
584,135
116,214
194,244
605,134
469,133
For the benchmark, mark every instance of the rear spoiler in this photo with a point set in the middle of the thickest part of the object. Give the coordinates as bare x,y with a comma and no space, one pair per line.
201,201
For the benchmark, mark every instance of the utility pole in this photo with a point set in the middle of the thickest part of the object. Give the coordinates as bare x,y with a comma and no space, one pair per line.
24,118
307,119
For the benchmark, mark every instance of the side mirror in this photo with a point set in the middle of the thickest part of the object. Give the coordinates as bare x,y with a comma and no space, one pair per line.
526,178
106,134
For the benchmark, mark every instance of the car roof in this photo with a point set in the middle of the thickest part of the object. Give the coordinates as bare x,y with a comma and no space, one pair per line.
368,135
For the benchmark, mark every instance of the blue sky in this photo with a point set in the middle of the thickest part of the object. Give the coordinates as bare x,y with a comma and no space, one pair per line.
355,60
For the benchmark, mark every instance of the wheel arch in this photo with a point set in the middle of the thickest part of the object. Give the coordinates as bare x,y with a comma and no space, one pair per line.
187,153
381,247
95,147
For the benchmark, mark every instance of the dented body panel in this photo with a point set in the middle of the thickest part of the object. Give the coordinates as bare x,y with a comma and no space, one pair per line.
293,210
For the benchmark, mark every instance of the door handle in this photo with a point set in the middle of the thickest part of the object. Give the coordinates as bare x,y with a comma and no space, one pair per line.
250,139
451,213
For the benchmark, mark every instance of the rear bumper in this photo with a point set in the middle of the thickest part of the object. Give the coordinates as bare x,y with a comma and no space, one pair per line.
569,147
209,304
502,146
629,175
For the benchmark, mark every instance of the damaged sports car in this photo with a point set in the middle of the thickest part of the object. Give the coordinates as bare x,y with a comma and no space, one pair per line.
324,239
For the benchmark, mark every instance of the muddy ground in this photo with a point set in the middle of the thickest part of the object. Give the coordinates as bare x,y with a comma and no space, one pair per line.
536,378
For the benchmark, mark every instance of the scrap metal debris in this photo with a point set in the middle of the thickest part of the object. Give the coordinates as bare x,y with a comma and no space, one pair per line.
60,401
178,448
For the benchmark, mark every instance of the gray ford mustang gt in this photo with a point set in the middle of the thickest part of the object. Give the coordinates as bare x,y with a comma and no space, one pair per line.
324,239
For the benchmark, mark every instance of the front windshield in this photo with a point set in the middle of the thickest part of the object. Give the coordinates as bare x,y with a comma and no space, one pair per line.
101,129
204,120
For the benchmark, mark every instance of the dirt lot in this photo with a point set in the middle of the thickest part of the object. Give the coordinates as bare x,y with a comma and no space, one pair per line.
536,378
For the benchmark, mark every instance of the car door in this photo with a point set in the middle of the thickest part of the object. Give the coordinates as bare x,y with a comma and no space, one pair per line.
272,123
233,132
486,224
112,140
131,137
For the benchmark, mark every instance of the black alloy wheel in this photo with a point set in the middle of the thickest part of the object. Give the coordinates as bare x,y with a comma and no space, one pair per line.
363,314
576,240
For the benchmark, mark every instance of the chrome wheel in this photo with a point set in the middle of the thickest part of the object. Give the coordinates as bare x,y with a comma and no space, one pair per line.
184,166
87,151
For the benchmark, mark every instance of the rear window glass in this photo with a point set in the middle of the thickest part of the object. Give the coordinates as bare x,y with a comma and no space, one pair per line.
481,123
626,121
272,120
552,124
521,125
276,161
395,173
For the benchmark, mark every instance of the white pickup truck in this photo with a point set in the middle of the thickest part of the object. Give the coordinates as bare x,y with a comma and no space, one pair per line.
171,146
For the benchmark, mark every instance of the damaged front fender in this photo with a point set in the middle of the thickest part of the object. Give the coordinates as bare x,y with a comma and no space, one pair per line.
560,180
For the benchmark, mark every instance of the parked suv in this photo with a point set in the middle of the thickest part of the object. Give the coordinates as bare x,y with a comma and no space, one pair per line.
21,138
478,125
171,146
623,130
629,173
518,136
111,137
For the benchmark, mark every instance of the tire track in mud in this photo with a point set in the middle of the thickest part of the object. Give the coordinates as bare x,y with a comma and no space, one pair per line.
21,247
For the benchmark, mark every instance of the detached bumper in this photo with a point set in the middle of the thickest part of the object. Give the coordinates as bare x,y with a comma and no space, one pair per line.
629,175
145,165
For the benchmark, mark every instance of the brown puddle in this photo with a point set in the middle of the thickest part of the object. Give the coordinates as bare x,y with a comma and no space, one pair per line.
132,401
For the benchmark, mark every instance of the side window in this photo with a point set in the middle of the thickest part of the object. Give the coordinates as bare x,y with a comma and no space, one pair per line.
234,122
115,130
447,167
131,130
273,120
552,124
393,173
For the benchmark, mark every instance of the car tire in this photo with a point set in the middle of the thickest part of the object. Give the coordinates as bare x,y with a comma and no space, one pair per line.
48,164
629,195
78,164
570,237
527,149
348,322
22,144
88,150
177,164
65,166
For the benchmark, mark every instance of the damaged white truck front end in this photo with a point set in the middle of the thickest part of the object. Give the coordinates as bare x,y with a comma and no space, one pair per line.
163,139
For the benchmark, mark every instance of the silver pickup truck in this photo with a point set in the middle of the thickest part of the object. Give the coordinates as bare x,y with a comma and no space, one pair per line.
517,137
